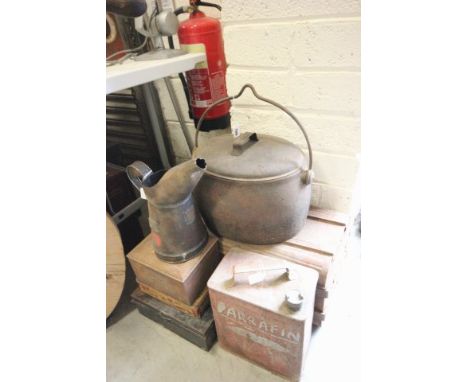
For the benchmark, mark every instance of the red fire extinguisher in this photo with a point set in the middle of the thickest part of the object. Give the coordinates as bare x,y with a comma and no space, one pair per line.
207,82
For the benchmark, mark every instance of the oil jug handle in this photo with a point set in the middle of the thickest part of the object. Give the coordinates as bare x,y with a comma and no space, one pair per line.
254,92
137,172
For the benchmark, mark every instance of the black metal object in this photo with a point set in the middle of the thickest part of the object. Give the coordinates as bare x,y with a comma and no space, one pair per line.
219,123
199,331
199,3
119,191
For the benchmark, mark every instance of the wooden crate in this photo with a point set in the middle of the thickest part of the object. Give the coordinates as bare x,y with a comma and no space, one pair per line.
319,245
197,309
199,331
183,281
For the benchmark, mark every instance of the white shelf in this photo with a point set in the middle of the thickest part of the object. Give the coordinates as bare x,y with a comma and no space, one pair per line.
132,73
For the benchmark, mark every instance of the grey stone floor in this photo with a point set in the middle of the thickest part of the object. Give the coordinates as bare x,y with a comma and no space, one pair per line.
140,350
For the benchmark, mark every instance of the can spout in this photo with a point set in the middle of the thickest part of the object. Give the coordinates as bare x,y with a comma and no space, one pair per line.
178,183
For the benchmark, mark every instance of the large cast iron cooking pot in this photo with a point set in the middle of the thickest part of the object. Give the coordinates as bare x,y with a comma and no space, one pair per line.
257,188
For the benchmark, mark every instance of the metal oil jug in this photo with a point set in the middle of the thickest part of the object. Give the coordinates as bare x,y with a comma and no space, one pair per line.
177,230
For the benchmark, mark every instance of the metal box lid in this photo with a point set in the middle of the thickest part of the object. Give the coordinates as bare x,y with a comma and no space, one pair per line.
263,281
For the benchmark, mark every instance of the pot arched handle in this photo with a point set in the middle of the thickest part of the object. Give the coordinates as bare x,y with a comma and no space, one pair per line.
254,92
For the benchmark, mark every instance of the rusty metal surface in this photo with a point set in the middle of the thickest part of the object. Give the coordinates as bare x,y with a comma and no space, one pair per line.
177,230
246,330
255,322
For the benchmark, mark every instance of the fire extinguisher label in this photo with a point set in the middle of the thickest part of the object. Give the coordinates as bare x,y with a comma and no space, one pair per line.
205,87
198,79
199,82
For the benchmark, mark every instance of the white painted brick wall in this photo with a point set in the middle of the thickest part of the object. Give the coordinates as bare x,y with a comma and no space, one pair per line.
308,44
271,84
332,135
330,92
305,55
248,10
326,44
255,43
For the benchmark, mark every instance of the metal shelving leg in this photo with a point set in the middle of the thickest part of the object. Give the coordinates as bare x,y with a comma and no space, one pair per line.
156,123
179,113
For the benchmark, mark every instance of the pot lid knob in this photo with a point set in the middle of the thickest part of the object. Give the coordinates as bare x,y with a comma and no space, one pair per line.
243,142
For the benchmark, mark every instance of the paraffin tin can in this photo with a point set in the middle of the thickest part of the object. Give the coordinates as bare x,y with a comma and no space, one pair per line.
253,319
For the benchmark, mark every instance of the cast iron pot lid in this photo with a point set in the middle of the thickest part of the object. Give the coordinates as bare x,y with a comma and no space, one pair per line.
261,156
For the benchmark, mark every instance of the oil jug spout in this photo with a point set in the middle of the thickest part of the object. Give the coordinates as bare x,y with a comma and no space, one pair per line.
175,186
179,182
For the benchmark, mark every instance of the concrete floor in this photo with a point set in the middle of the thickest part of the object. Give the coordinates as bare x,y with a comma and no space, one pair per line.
141,350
